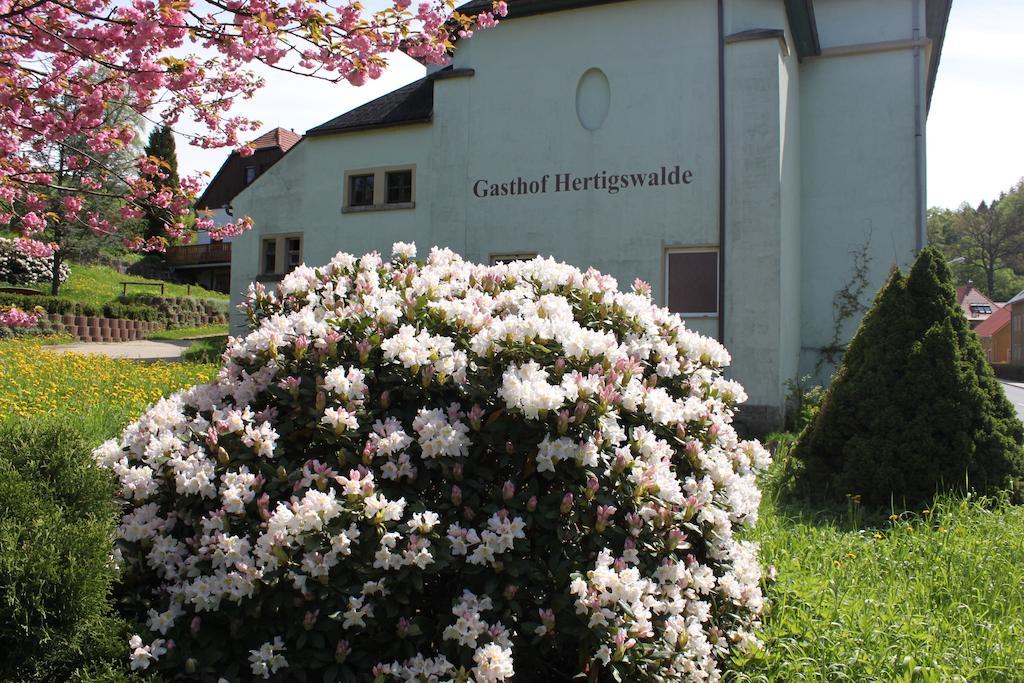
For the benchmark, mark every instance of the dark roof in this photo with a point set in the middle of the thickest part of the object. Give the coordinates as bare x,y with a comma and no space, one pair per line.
525,8
413,103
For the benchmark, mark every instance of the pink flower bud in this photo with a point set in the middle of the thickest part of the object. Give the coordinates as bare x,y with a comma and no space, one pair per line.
531,504
566,504
195,624
309,621
385,399
456,495
457,470
563,422
508,490
476,414
363,347
593,486
510,591
402,629
342,651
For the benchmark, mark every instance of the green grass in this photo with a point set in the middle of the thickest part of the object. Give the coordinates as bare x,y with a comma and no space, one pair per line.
207,350
100,284
192,332
99,395
925,596
93,284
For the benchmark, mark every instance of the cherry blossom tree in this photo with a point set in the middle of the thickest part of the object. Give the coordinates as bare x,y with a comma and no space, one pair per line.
64,63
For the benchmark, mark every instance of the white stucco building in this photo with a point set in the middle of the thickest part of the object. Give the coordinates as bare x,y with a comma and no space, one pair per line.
733,153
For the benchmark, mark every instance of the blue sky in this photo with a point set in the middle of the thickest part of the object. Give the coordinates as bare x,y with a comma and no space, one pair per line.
975,138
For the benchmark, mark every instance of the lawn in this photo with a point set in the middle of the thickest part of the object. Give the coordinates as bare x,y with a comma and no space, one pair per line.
191,332
93,284
930,595
100,394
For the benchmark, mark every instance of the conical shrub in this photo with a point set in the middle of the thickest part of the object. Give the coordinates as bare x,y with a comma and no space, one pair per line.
915,408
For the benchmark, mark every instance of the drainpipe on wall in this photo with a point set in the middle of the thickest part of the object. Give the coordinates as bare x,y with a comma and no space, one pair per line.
721,172
919,150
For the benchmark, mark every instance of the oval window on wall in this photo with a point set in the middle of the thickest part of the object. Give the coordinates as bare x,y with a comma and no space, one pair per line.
593,98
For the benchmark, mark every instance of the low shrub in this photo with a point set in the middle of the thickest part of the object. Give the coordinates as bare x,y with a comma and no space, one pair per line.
62,306
17,268
915,408
57,519
445,471
1011,373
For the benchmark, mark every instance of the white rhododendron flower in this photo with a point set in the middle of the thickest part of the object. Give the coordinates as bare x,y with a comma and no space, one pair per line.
442,471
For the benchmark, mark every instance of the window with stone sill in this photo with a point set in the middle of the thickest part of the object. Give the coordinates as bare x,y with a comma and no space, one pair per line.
279,255
380,189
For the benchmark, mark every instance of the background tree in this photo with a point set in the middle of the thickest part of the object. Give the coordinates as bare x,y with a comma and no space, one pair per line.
985,242
84,204
161,147
63,64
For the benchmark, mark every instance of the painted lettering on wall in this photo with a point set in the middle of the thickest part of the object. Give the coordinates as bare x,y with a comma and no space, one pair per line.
602,181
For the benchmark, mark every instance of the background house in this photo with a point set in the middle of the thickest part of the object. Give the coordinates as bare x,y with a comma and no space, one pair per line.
977,307
206,262
994,332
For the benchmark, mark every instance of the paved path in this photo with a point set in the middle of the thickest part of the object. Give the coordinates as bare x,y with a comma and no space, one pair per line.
142,349
1015,392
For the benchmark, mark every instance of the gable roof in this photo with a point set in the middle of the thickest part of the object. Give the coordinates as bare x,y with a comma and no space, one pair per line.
994,322
229,179
968,295
279,137
413,103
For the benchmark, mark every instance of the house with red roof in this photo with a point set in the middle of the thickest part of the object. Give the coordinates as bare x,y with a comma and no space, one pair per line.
206,262
977,307
994,332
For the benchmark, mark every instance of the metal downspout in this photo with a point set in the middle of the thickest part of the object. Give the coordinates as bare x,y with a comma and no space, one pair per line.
919,150
721,172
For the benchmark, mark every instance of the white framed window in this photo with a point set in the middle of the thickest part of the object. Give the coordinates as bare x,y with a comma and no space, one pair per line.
379,189
691,281
280,254
512,257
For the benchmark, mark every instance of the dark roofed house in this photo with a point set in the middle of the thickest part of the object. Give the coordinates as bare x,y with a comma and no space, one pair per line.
208,263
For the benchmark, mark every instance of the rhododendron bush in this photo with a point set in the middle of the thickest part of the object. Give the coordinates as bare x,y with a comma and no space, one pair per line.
19,265
443,471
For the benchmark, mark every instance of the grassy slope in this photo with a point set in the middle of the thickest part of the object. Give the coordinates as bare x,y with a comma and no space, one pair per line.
101,284
927,596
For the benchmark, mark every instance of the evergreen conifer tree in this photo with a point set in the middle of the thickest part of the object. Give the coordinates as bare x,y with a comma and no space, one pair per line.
161,146
915,408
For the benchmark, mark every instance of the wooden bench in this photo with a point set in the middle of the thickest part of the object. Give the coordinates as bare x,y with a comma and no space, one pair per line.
124,286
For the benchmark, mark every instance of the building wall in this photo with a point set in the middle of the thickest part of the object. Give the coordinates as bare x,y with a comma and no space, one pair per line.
303,192
999,345
1017,333
819,161
858,168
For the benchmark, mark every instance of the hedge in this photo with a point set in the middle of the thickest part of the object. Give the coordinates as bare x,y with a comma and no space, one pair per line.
56,570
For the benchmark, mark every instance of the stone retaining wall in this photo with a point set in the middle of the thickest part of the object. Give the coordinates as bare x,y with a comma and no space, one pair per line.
90,328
